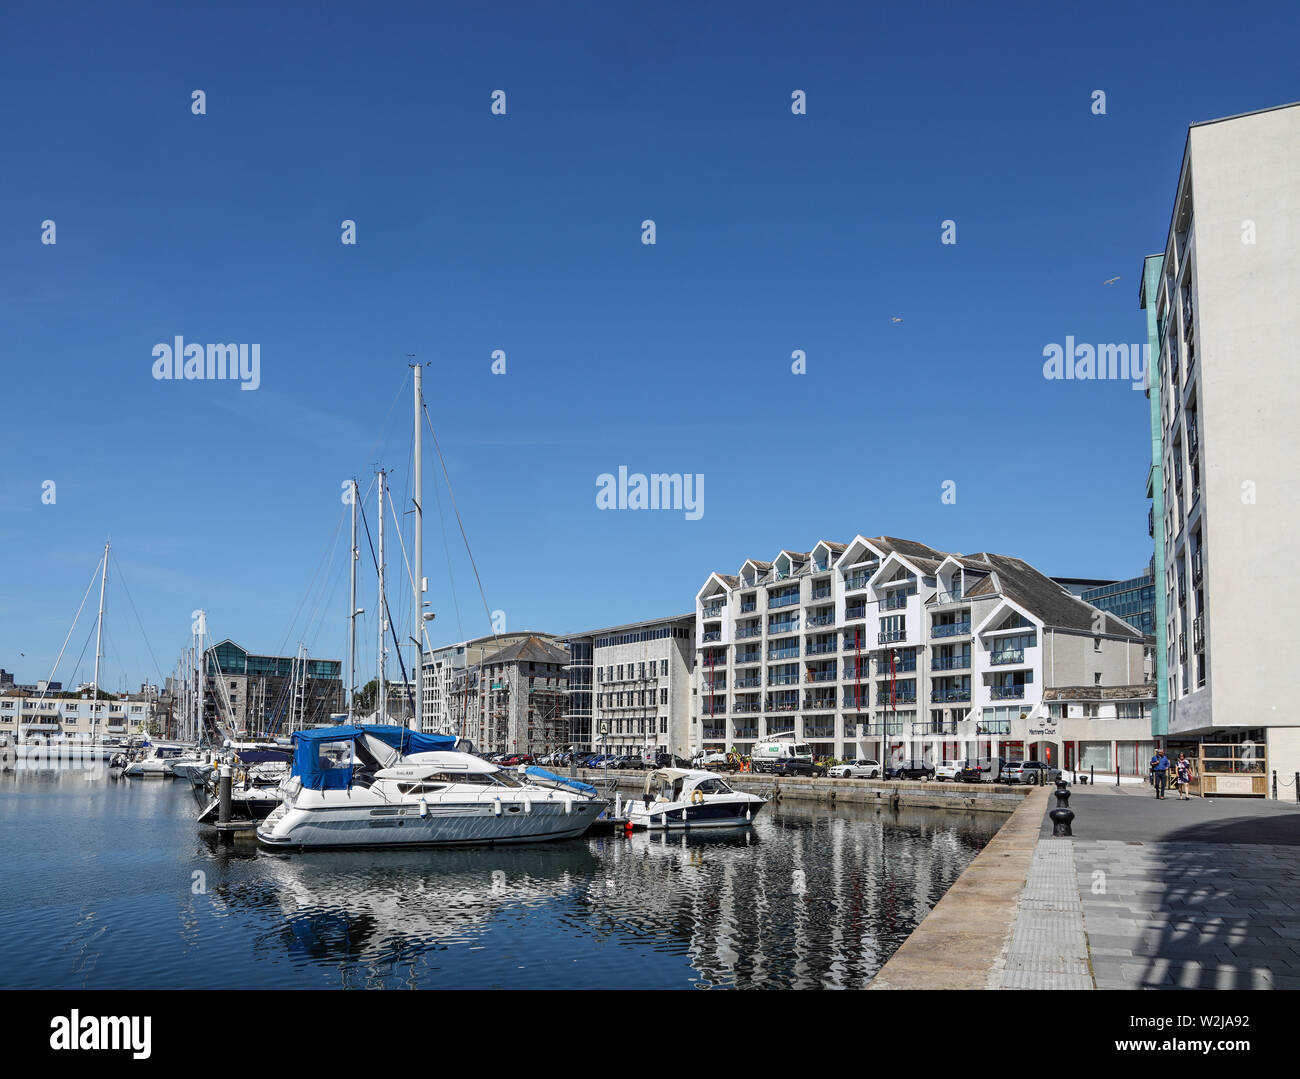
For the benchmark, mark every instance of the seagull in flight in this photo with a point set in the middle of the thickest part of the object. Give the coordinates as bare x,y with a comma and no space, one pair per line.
892,318
1111,281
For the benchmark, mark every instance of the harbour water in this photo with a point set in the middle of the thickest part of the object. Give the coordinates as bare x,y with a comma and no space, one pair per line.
111,884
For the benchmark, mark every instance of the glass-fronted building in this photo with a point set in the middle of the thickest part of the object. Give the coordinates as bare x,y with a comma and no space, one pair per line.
1133,600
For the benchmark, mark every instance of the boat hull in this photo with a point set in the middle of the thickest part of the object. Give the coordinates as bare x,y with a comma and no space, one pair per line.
441,826
711,814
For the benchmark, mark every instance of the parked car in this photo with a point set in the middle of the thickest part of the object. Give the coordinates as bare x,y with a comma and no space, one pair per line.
948,769
984,770
1034,773
796,766
857,769
910,770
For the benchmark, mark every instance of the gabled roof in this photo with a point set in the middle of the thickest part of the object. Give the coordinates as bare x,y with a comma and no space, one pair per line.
532,650
1044,598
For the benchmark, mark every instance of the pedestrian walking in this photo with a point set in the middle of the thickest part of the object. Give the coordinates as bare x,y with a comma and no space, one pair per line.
1184,773
1160,769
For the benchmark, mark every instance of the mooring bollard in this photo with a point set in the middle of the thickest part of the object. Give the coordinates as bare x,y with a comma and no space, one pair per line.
1297,786
223,794
1275,784
1062,814
1092,775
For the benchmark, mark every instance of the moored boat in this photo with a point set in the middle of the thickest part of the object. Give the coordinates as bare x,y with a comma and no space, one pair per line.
679,798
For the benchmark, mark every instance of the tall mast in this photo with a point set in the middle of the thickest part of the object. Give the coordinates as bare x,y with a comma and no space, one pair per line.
417,668
99,640
352,606
201,666
382,688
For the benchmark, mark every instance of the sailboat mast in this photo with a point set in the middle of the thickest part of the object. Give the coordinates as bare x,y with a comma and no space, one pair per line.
417,667
352,606
382,620
99,643
200,666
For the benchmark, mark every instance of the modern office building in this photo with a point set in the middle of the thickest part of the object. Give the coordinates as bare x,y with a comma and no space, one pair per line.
630,686
888,648
1224,299
259,695
1152,267
1133,600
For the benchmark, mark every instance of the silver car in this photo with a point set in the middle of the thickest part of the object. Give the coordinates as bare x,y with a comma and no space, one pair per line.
1034,773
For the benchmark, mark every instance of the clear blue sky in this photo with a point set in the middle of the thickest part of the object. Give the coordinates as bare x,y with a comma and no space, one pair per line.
478,232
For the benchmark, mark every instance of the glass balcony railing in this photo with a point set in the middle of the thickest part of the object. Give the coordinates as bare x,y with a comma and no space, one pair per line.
790,625
746,732
747,608
747,683
783,653
901,666
748,657
782,601
949,696
745,632
853,613
821,593
854,581
950,629
819,704
1008,693
820,649
713,612
892,636
857,674
748,706
950,663
854,643
825,676
896,601
899,698
993,726
821,620
712,635
1007,655
783,680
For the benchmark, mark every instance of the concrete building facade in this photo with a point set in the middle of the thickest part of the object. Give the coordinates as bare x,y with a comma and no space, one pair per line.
1224,299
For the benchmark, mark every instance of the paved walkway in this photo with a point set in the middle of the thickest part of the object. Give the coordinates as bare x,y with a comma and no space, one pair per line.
1202,894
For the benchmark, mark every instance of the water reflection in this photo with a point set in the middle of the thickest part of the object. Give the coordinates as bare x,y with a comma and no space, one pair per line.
806,898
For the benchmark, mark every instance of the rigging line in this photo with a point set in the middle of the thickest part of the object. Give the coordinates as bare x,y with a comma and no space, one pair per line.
446,549
460,523
122,577
318,614
77,666
311,586
59,657
386,613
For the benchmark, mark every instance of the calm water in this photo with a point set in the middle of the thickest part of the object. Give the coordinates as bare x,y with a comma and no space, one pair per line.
111,884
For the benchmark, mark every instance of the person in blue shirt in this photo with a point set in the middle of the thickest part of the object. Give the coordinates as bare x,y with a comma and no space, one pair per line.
1160,772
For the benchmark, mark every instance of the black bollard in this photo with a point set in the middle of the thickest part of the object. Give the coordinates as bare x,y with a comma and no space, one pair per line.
1297,786
1062,814
1275,784
1092,775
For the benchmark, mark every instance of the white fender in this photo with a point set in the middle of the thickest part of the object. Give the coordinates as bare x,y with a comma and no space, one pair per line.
424,808
496,807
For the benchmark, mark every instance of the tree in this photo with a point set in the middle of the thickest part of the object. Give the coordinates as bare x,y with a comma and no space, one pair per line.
364,699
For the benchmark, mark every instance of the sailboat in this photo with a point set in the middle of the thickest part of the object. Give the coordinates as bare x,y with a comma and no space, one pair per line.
382,785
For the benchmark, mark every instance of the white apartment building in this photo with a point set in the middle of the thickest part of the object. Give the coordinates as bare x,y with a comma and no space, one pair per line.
1228,318
24,719
630,686
890,649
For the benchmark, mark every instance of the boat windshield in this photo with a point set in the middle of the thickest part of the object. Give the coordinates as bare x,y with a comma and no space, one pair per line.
713,786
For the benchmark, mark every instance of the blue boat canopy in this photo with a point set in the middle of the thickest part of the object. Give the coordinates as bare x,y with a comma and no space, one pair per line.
323,773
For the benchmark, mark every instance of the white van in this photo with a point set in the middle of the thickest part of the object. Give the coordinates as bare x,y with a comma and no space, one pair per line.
766,754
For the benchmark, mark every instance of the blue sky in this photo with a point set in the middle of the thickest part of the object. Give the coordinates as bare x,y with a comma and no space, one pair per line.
522,232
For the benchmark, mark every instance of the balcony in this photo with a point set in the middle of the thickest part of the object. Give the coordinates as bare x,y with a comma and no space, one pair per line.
945,727
852,614
712,635
773,602
891,636
1182,648
1007,655
747,707
950,629
820,649
853,642
949,696
713,612
1197,572
824,676
1198,634
745,658
821,620
784,653
745,632
788,625
714,734
994,726
950,663
713,687
783,706
900,699
710,706
821,593
783,680
854,581
823,704
883,729
942,599
900,667
1008,693
747,683
857,674
748,608
896,601
747,732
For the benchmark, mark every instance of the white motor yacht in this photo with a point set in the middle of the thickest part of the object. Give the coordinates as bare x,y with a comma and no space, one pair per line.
372,786
677,798
156,761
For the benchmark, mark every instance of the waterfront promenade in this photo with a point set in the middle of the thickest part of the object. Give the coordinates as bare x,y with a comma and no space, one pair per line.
1148,894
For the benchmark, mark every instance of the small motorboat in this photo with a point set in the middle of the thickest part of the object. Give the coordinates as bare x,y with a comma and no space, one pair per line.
678,798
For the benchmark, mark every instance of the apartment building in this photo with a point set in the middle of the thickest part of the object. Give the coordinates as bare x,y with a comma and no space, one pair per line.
888,648
25,719
630,686
444,667
514,700
263,694
1223,299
